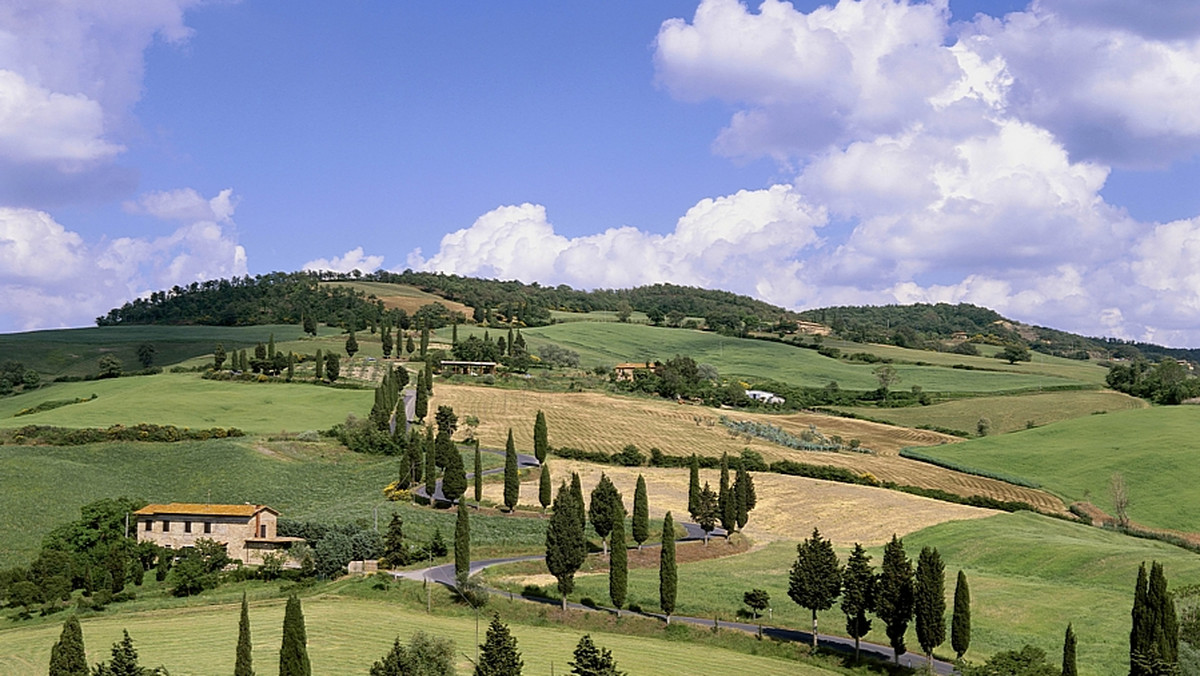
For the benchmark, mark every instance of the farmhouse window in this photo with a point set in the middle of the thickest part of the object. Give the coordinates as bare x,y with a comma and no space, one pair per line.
166,526
264,531
207,526
187,526
148,525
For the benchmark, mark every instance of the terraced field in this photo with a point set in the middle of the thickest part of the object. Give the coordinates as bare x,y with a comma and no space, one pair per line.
598,422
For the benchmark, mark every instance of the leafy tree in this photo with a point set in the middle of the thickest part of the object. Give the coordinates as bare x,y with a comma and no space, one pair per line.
757,600
541,439
887,376
309,325
498,655
425,655
454,479
1014,353
618,565
68,657
243,666
446,420
565,543
219,357
1068,662
145,354
477,475
293,652
707,511
1028,661
815,580
544,486
110,367
693,486
462,545
124,660
960,624
641,513
667,577
605,509
593,661
929,602
332,367
858,594
512,479
894,594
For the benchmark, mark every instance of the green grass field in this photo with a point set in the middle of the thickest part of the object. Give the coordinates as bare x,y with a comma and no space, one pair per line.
1029,576
347,634
1153,448
1006,413
609,343
303,481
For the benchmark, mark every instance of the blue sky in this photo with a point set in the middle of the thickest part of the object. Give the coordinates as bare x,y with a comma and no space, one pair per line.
1038,158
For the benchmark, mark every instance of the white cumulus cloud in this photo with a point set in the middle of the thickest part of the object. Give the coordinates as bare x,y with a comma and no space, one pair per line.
353,259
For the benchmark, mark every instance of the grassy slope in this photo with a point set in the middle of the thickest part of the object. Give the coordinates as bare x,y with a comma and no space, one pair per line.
1029,576
608,343
409,298
346,635
1153,448
303,481
1006,413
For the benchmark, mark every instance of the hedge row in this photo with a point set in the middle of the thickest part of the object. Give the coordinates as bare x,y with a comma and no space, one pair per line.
63,436
914,454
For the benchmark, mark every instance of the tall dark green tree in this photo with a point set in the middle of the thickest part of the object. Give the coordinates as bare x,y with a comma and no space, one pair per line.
454,479
319,366
124,660
68,656
1068,661
332,367
744,498
351,345
618,565
385,341
725,499
929,602
858,594
409,347
309,324
422,404
579,505
293,652
512,479
960,624
427,446
428,376
218,357
544,486
668,580
498,656
641,513
894,594
591,660
243,665
541,437
510,338
815,580
395,551
605,509
291,366
1154,639
424,655
707,511
565,543
462,545
477,475
693,485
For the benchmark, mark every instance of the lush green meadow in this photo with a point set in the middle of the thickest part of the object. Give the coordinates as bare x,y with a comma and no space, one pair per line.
1154,449
1029,575
1005,413
187,400
346,634
302,480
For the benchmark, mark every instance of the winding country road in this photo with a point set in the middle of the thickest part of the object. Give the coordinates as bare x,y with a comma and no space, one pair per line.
444,575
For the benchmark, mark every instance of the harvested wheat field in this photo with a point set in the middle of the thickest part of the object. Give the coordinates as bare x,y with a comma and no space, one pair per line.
597,422
788,507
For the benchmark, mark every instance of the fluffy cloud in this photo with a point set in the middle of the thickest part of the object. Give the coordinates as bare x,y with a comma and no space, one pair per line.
353,259
51,277
184,204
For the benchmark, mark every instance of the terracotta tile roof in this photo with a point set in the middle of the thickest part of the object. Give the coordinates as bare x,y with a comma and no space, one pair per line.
199,509
635,365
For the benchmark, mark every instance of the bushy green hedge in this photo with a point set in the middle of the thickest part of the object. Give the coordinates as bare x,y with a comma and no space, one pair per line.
915,454
64,436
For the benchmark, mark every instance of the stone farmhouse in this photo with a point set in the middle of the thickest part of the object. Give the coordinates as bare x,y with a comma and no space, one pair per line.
247,531
626,371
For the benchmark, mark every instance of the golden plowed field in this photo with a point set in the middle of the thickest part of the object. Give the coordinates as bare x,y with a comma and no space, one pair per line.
597,422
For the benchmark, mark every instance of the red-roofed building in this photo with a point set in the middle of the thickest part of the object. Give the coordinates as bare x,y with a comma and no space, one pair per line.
247,531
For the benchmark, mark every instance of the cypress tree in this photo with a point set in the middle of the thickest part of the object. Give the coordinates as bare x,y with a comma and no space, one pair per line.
293,653
960,624
693,486
503,347
291,372
512,479
271,347
243,666
605,509
579,505
124,660
858,594
1160,651
218,357
929,602
394,550
424,340
454,479
478,475
422,407
68,657
351,345
498,656
510,339
409,347
815,580
1068,662
332,367
462,545
894,594
385,341
430,463
565,543
541,439
741,495
416,455
707,511
544,486
667,579
591,660
454,332
428,377
618,565
1140,633
641,513
320,366
725,499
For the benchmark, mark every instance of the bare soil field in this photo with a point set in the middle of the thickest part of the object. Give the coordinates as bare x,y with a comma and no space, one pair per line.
596,422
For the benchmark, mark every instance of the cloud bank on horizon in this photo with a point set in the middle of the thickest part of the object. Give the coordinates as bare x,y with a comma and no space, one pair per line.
933,162
923,159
